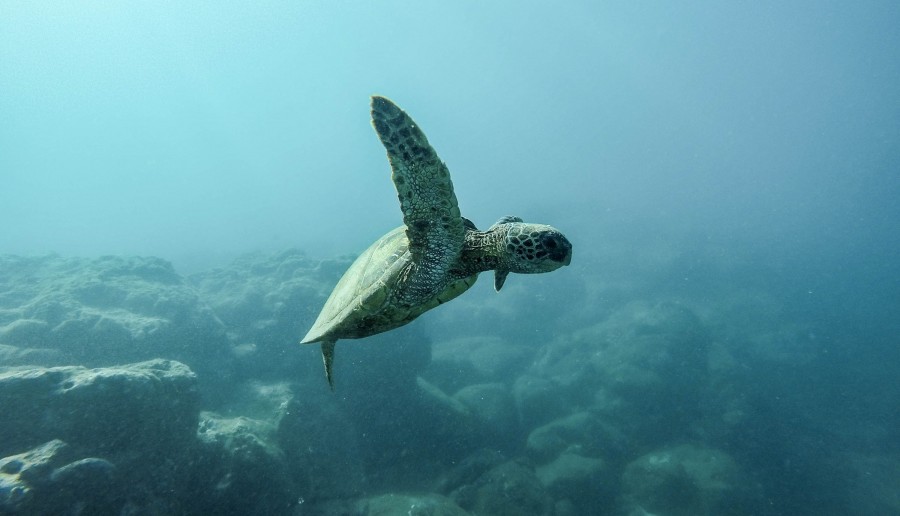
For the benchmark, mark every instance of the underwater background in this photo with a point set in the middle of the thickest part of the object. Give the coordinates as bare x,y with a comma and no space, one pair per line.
182,185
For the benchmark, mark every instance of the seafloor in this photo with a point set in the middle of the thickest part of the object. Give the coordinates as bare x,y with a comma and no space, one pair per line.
126,388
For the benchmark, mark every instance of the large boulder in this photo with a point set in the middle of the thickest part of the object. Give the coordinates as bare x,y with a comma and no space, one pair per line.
492,407
510,489
240,455
109,310
46,480
468,470
129,434
456,363
642,368
684,480
539,400
16,356
429,504
321,447
150,404
584,483
582,432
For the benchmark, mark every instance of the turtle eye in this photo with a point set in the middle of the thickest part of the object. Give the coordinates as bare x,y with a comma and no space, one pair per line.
549,242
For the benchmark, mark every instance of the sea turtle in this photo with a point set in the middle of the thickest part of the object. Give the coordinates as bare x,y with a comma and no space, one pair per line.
435,256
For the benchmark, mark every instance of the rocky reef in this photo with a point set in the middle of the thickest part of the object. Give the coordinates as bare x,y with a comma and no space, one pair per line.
127,388
107,311
97,439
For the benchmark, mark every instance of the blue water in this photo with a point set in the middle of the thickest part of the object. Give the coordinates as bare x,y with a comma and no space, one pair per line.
738,162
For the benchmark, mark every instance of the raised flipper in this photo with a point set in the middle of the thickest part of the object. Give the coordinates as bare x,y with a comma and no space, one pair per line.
434,227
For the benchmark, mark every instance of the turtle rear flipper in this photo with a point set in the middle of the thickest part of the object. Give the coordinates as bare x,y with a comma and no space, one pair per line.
328,359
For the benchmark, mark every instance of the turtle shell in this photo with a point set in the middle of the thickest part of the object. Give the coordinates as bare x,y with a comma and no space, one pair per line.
364,302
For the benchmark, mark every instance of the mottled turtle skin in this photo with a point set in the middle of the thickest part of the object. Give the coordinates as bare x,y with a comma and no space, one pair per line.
435,256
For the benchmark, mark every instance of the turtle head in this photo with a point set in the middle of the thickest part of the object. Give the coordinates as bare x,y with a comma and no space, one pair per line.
530,248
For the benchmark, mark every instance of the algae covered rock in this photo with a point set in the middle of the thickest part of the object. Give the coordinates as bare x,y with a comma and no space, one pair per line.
510,489
469,469
581,431
429,504
644,368
150,404
456,363
19,473
240,456
493,408
637,350
321,449
104,311
45,480
16,356
684,480
585,482
540,400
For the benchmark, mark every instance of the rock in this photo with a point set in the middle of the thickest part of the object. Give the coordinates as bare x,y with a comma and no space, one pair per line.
468,470
539,400
683,480
289,450
585,482
492,406
383,368
148,405
19,473
436,397
510,489
643,368
260,400
448,418
256,293
456,363
402,433
239,456
109,310
90,473
240,437
15,356
321,448
413,505
638,348
40,481
582,432
30,331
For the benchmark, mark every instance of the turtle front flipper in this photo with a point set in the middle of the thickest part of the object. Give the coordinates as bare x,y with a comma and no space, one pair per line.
434,227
